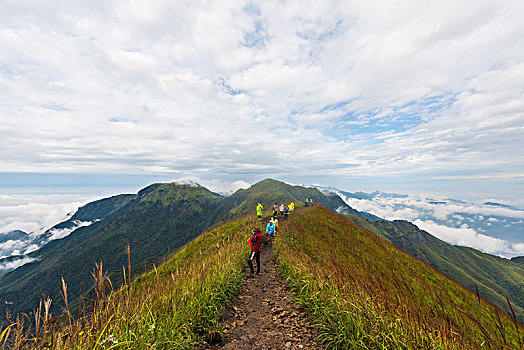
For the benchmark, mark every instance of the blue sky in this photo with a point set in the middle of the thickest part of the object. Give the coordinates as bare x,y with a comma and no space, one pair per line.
101,96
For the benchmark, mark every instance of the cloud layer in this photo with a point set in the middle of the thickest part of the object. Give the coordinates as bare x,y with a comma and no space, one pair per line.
493,229
13,264
37,213
237,89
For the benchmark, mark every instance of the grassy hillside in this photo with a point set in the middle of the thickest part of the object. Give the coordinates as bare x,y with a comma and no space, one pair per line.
366,293
362,292
161,217
174,306
496,278
518,260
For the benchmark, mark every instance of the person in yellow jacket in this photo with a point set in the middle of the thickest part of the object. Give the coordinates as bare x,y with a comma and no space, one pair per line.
274,219
291,207
259,211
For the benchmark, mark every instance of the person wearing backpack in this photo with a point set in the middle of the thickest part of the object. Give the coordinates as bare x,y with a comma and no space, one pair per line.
270,231
274,219
255,242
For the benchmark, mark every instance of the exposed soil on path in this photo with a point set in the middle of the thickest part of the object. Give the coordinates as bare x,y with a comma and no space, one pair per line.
264,316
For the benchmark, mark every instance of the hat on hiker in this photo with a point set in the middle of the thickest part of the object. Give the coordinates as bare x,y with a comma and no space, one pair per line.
257,230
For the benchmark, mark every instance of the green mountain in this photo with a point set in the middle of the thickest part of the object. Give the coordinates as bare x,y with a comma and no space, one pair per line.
159,219
270,191
518,260
496,278
99,209
361,291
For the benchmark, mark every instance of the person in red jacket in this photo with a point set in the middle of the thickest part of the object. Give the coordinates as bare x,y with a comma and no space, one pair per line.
255,242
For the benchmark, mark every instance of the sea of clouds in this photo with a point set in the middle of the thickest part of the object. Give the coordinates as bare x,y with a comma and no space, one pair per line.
493,229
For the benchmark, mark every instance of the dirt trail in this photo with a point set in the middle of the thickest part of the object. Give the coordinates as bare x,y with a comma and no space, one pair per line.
264,316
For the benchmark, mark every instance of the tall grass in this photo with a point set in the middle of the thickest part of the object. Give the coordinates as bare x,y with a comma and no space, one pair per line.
177,305
364,293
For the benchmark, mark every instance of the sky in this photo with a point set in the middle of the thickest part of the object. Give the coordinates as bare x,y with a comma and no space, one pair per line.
105,97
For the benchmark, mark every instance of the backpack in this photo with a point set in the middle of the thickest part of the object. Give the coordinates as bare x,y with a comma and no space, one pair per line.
251,241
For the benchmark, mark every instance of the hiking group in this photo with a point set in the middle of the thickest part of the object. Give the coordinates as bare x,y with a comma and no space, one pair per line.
283,209
309,202
257,238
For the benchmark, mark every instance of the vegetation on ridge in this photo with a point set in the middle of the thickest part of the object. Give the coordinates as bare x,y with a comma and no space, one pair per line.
495,278
156,221
161,218
365,293
361,291
173,306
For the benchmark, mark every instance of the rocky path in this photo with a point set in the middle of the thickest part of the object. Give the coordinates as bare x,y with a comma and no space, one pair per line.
264,316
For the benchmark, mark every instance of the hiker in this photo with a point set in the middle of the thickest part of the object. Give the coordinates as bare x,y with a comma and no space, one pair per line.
286,212
282,210
255,242
291,207
312,201
305,202
259,211
270,231
275,222
275,209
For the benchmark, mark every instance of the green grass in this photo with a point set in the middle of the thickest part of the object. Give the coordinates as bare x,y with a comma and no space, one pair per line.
365,293
174,306
362,292
495,278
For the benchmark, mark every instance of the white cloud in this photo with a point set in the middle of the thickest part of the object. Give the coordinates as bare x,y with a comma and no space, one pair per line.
11,265
468,237
11,247
64,232
519,249
392,208
237,87
34,214
30,248
37,213
420,210
215,185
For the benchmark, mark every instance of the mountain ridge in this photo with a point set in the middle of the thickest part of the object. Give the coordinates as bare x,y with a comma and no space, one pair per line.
358,289
158,219
163,217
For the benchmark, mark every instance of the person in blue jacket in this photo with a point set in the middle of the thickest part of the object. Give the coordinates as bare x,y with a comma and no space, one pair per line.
270,231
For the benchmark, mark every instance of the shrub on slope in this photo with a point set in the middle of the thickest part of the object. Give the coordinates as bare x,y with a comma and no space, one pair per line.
365,293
